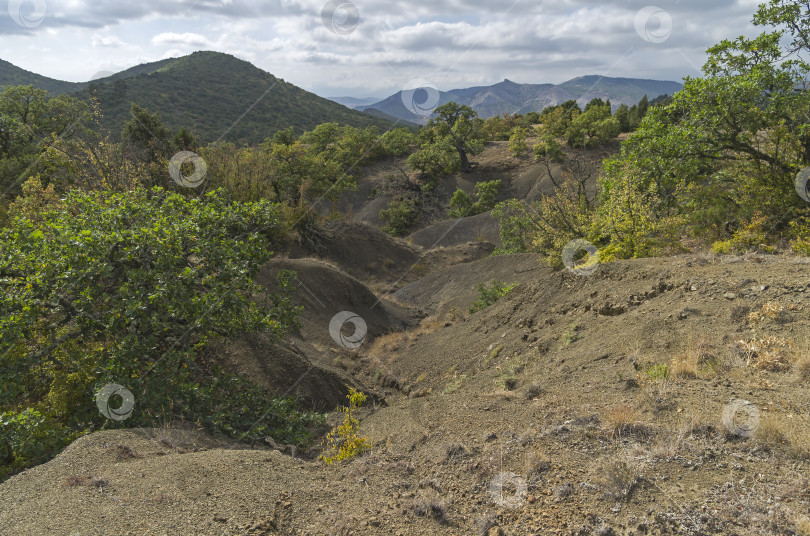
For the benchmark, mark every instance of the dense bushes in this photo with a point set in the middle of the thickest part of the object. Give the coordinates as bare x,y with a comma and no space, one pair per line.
103,287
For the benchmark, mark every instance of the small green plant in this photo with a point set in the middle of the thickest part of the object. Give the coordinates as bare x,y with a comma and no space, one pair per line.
344,441
658,372
488,296
493,354
455,383
570,335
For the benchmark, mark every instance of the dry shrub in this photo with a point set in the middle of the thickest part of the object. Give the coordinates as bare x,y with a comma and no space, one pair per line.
769,310
125,452
622,421
618,479
789,434
774,354
803,526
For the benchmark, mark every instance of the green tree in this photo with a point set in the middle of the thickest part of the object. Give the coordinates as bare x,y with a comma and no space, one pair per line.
148,142
107,287
31,123
460,126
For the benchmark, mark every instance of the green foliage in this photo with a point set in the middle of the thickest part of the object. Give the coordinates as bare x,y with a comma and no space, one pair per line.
345,442
462,205
459,127
399,216
658,372
550,150
30,123
209,91
28,438
436,158
398,142
748,237
105,287
724,149
517,141
516,226
595,126
488,296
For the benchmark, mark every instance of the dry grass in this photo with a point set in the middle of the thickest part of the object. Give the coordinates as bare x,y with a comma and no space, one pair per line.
618,479
803,526
788,433
774,354
769,310
685,365
622,420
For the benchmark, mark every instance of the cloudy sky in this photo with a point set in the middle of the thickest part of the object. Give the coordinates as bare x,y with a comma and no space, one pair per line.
376,47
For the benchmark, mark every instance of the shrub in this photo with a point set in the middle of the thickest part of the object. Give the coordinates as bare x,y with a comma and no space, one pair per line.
28,438
488,296
516,226
517,141
462,205
399,216
549,149
344,441
750,236
153,277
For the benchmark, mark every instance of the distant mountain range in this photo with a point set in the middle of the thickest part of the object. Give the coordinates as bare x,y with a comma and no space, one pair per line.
510,97
213,95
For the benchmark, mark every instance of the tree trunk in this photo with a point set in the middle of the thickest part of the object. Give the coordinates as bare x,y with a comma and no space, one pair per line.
465,162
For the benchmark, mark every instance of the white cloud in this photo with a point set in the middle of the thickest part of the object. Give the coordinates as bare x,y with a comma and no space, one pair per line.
188,39
106,41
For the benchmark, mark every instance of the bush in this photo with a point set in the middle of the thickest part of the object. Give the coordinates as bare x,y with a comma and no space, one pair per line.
462,205
516,226
345,442
549,149
28,438
751,236
488,296
517,141
153,276
399,216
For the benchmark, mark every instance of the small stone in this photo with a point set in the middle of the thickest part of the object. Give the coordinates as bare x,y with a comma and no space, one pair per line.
730,296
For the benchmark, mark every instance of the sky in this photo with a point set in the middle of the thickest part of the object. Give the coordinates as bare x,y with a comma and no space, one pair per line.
374,48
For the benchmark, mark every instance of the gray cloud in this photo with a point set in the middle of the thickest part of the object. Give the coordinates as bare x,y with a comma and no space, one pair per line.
453,43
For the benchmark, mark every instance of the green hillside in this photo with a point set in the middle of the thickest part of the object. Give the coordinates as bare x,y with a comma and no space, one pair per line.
11,75
215,96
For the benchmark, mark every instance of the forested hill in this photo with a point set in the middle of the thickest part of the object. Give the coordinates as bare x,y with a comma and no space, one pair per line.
213,95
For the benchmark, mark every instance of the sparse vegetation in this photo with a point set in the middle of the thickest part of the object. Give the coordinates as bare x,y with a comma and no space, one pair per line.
488,296
344,441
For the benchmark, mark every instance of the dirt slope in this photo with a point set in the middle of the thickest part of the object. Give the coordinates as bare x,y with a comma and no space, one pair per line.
543,414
